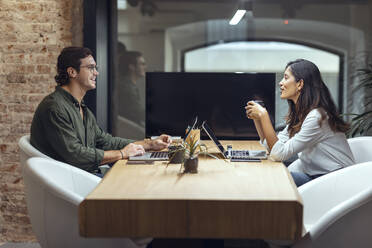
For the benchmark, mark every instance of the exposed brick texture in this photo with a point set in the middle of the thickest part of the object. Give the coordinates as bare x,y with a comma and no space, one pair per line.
32,35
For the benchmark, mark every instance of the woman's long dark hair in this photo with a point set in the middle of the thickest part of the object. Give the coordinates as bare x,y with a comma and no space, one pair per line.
314,94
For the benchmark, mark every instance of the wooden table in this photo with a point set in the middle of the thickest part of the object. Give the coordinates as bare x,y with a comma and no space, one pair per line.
257,200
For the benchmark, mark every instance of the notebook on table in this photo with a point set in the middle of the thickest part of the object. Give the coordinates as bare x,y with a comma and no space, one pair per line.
161,155
235,155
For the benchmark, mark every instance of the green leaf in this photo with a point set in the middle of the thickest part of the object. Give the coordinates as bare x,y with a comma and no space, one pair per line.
362,115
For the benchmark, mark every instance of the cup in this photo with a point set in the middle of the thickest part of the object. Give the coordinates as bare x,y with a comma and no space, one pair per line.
260,102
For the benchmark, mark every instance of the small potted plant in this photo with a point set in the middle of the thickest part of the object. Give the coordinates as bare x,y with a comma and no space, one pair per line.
187,154
192,150
176,154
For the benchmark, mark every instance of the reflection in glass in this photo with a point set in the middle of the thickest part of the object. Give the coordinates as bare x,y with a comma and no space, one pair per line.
183,36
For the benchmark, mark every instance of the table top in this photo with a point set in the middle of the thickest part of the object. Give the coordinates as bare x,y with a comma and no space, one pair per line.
223,200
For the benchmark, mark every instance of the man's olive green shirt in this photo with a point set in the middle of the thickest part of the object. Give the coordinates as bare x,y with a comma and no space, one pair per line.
59,131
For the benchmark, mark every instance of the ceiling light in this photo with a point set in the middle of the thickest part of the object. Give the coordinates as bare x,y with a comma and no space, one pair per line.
245,7
237,17
122,4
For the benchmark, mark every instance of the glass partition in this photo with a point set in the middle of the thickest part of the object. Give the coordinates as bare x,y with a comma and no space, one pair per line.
264,56
195,36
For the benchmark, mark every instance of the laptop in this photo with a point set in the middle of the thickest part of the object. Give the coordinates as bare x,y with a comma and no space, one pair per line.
235,155
161,155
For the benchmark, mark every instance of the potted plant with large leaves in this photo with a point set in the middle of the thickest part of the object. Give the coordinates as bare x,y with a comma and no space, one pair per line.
187,153
361,123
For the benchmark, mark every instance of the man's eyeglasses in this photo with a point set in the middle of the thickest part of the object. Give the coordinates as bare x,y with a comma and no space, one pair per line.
90,67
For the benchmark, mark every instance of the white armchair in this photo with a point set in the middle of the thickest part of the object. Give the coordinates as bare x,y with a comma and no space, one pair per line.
337,209
27,151
54,191
361,148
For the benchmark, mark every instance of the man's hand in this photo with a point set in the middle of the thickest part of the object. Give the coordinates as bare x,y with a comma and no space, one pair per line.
132,150
160,143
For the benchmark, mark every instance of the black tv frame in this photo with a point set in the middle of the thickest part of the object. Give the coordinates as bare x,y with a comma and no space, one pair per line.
173,99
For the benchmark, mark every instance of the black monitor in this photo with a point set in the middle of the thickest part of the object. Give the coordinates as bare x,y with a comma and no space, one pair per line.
173,99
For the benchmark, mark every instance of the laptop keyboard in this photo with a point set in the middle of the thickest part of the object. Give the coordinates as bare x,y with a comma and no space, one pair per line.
159,155
247,156
242,156
239,153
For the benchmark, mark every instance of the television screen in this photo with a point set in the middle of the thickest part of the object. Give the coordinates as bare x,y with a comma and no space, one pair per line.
173,99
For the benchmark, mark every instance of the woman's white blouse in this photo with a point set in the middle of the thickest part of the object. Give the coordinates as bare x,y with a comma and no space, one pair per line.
320,150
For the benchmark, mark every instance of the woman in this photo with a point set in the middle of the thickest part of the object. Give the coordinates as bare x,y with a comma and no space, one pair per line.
314,128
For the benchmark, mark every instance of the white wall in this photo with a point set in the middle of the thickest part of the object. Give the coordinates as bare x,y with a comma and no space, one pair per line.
256,57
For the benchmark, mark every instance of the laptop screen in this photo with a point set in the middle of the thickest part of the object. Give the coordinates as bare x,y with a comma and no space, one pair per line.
213,137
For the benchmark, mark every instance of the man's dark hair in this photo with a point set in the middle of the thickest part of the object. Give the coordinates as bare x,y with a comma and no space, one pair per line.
70,57
128,58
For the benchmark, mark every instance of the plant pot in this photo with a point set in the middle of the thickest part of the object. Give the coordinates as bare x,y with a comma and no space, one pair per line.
176,157
191,165
176,154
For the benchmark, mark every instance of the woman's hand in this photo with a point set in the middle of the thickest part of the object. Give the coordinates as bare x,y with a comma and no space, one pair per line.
254,110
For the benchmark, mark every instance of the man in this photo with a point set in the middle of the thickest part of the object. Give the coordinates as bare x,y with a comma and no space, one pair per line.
66,130
132,66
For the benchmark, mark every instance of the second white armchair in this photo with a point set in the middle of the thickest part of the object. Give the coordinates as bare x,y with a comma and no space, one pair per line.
54,191
338,209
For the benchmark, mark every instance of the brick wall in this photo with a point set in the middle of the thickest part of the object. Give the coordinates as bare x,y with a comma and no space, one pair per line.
32,35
